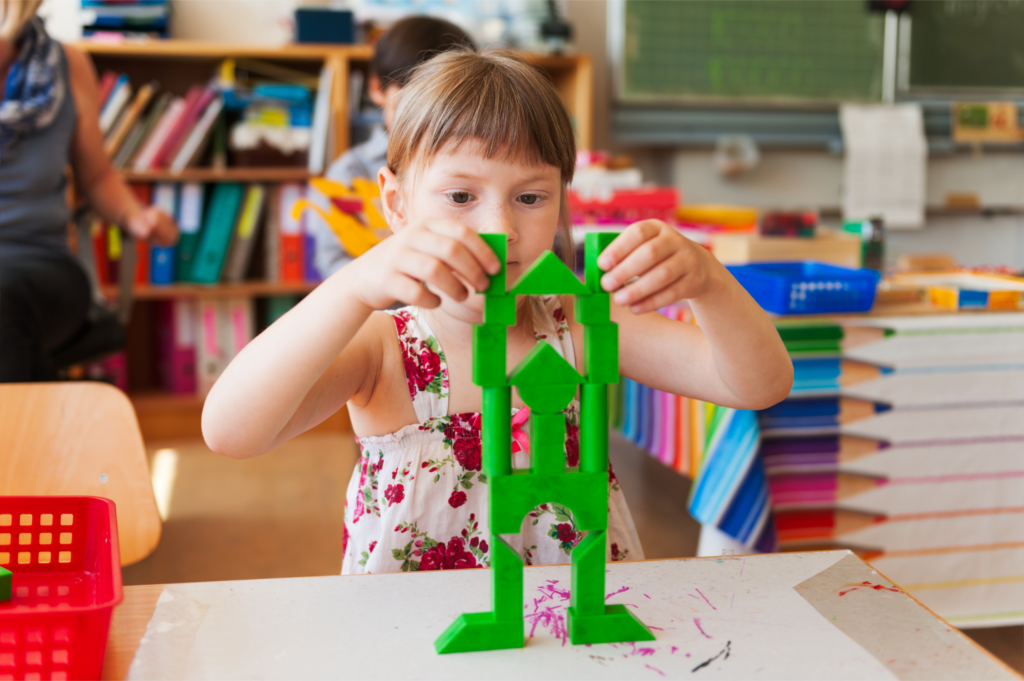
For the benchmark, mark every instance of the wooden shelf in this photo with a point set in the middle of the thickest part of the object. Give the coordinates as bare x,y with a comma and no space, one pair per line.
246,288
200,49
220,175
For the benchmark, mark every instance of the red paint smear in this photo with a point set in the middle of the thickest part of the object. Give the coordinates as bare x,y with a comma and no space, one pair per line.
696,621
705,598
653,669
869,585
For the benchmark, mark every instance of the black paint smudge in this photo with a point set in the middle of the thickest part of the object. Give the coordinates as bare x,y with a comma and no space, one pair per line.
726,650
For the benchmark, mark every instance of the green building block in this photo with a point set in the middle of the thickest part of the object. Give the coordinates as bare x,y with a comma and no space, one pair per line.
601,353
548,276
546,383
498,244
593,244
6,580
500,310
593,309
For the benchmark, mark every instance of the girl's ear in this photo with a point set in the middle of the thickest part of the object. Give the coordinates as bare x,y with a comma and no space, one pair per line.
375,91
391,199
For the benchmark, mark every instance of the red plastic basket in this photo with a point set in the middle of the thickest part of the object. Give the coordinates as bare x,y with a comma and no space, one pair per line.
67,579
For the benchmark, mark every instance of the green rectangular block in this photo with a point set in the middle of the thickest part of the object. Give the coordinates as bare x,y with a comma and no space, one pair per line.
601,353
500,310
594,243
498,244
489,343
593,309
547,446
6,583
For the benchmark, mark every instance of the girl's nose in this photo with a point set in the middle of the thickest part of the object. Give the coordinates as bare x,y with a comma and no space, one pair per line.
503,222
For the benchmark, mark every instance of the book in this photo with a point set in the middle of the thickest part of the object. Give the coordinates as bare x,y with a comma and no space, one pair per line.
176,345
211,357
155,140
140,131
272,236
198,138
196,102
246,228
190,220
236,320
115,102
215,237
142,254
106,84
98,232
128,120
165,197
292,236
321,122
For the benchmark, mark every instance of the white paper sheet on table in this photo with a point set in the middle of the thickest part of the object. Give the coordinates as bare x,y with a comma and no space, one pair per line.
735,617
885,160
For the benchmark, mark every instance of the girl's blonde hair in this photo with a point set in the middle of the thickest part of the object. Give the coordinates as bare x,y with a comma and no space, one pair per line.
493,96
13,16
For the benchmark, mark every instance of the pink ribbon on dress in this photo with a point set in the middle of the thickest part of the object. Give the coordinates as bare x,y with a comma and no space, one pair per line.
521,438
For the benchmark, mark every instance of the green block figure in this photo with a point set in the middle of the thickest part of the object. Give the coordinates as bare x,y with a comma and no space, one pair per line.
6,581
547,384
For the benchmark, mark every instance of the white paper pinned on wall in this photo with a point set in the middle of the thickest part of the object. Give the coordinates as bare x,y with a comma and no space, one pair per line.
885,163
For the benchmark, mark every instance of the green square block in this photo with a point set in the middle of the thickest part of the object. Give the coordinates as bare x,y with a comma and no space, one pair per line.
499,310
498,244
489,355
593,245
6,582
601,353
593,309
616,625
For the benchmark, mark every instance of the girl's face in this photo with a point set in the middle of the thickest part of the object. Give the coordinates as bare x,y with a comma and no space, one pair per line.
488,195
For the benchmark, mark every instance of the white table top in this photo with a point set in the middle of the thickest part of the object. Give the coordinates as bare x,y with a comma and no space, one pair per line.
795,616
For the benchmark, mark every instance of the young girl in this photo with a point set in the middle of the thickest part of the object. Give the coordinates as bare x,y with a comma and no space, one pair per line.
480,143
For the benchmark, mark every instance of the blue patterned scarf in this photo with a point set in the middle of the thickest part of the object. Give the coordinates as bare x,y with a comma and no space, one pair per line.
34,91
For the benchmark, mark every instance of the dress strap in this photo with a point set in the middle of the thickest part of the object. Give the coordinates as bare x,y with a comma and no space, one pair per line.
426,371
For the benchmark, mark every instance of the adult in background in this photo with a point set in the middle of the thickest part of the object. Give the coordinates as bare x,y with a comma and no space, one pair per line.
410,42
49,118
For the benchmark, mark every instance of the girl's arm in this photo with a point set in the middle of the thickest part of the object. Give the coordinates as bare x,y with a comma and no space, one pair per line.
323,353
732,357
96,178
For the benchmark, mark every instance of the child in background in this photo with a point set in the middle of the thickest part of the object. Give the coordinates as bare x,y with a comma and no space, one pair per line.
479,143
408,43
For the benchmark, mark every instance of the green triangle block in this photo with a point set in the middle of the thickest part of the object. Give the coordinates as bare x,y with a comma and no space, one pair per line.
548,276
543,366
6,582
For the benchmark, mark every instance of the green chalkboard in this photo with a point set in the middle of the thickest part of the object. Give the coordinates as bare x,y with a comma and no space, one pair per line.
967,44
760,50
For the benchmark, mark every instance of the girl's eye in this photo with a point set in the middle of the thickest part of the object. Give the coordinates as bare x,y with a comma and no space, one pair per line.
459,197
530,199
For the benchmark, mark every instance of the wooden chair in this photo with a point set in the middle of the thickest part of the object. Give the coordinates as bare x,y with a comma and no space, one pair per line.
79,438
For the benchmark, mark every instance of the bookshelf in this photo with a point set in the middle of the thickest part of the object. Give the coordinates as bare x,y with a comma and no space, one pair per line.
179,64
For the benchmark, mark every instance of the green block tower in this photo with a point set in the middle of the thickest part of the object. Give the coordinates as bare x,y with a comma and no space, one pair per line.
547,384
6,581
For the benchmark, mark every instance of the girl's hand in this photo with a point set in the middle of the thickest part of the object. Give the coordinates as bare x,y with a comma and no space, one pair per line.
666,265
450,257
154,225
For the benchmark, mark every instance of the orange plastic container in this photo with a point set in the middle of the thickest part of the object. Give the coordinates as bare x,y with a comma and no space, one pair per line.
67,579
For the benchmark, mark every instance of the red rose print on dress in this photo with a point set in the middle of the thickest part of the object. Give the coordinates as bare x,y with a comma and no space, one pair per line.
572,446
458,498
566,533
452,556
468,452
394,494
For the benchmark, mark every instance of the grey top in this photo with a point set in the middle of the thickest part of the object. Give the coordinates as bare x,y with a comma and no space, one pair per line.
363,160
34,210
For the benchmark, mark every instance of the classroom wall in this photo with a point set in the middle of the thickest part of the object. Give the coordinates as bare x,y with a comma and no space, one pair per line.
784,178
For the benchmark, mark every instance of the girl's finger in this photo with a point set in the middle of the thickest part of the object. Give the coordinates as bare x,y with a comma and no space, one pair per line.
412,292
625,243
655,279
431,270
638,263
454,254
672,294
479,249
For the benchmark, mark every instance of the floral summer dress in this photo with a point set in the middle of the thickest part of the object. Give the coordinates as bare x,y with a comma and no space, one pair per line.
418,499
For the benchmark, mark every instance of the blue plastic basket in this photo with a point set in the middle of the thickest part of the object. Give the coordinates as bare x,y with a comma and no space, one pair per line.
808,287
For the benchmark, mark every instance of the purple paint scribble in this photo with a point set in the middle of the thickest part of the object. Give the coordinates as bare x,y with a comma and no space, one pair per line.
696,620
705,598
654,669
732,601
646,596
743,565
642,652
615,593
549,611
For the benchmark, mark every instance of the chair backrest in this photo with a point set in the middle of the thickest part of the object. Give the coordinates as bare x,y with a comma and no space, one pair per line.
79,438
